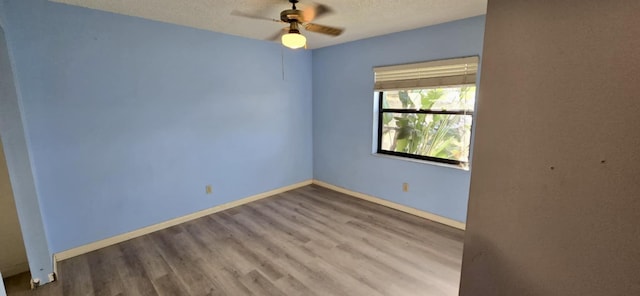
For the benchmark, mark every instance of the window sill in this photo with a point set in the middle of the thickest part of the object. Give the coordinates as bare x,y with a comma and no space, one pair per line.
446,165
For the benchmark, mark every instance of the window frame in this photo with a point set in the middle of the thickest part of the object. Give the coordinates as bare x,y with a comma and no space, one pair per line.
382,110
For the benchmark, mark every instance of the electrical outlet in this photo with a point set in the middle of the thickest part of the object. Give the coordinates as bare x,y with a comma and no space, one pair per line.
405,187
209,189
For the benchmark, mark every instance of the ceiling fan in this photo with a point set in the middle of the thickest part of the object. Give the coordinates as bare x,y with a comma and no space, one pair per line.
296,19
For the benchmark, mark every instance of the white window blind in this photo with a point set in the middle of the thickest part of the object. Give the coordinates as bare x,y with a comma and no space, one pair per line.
440,73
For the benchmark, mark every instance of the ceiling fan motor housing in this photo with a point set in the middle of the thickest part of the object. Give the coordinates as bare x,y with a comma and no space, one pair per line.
291,15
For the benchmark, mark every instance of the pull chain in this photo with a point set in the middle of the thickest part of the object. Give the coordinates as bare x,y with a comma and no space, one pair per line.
282,60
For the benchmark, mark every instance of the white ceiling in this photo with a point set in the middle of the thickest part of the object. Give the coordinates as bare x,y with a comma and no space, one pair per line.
360,18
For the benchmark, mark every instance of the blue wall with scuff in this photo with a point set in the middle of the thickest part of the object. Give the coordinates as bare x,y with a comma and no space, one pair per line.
128,119
343,119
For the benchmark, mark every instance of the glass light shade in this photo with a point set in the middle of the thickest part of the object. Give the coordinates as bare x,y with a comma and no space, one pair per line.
294,40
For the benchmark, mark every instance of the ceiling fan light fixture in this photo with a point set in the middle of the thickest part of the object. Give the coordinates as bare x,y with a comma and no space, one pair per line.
295,19
294,40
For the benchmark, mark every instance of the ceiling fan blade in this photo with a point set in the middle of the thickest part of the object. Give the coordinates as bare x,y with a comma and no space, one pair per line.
312,12
255,17
323,29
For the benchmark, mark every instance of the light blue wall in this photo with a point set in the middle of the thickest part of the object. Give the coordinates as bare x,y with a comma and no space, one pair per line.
20,170
343,105
129,119
2,290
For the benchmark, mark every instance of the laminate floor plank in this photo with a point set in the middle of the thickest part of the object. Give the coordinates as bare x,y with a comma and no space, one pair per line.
431,256
216,260
77,269
347,264
309,241
222,243
311,228
259,284
214,267
381,224
244,247
293,287
336,254
152,262
192,277
377,212
295,259
132,273
169,285
281,258
373,214
105,282
378,247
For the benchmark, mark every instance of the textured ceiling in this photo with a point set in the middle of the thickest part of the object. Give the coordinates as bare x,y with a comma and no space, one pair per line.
360,18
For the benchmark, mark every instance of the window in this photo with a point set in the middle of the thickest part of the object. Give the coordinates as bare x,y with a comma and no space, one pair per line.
425,110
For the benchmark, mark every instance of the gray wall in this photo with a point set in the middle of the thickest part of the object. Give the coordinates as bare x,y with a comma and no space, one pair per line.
555,189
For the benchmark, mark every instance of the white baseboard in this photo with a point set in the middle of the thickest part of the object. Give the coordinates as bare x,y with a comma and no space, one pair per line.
55,265
166,224
149,229
399,207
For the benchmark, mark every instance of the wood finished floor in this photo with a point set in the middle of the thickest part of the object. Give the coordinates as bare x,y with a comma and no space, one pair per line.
309,241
